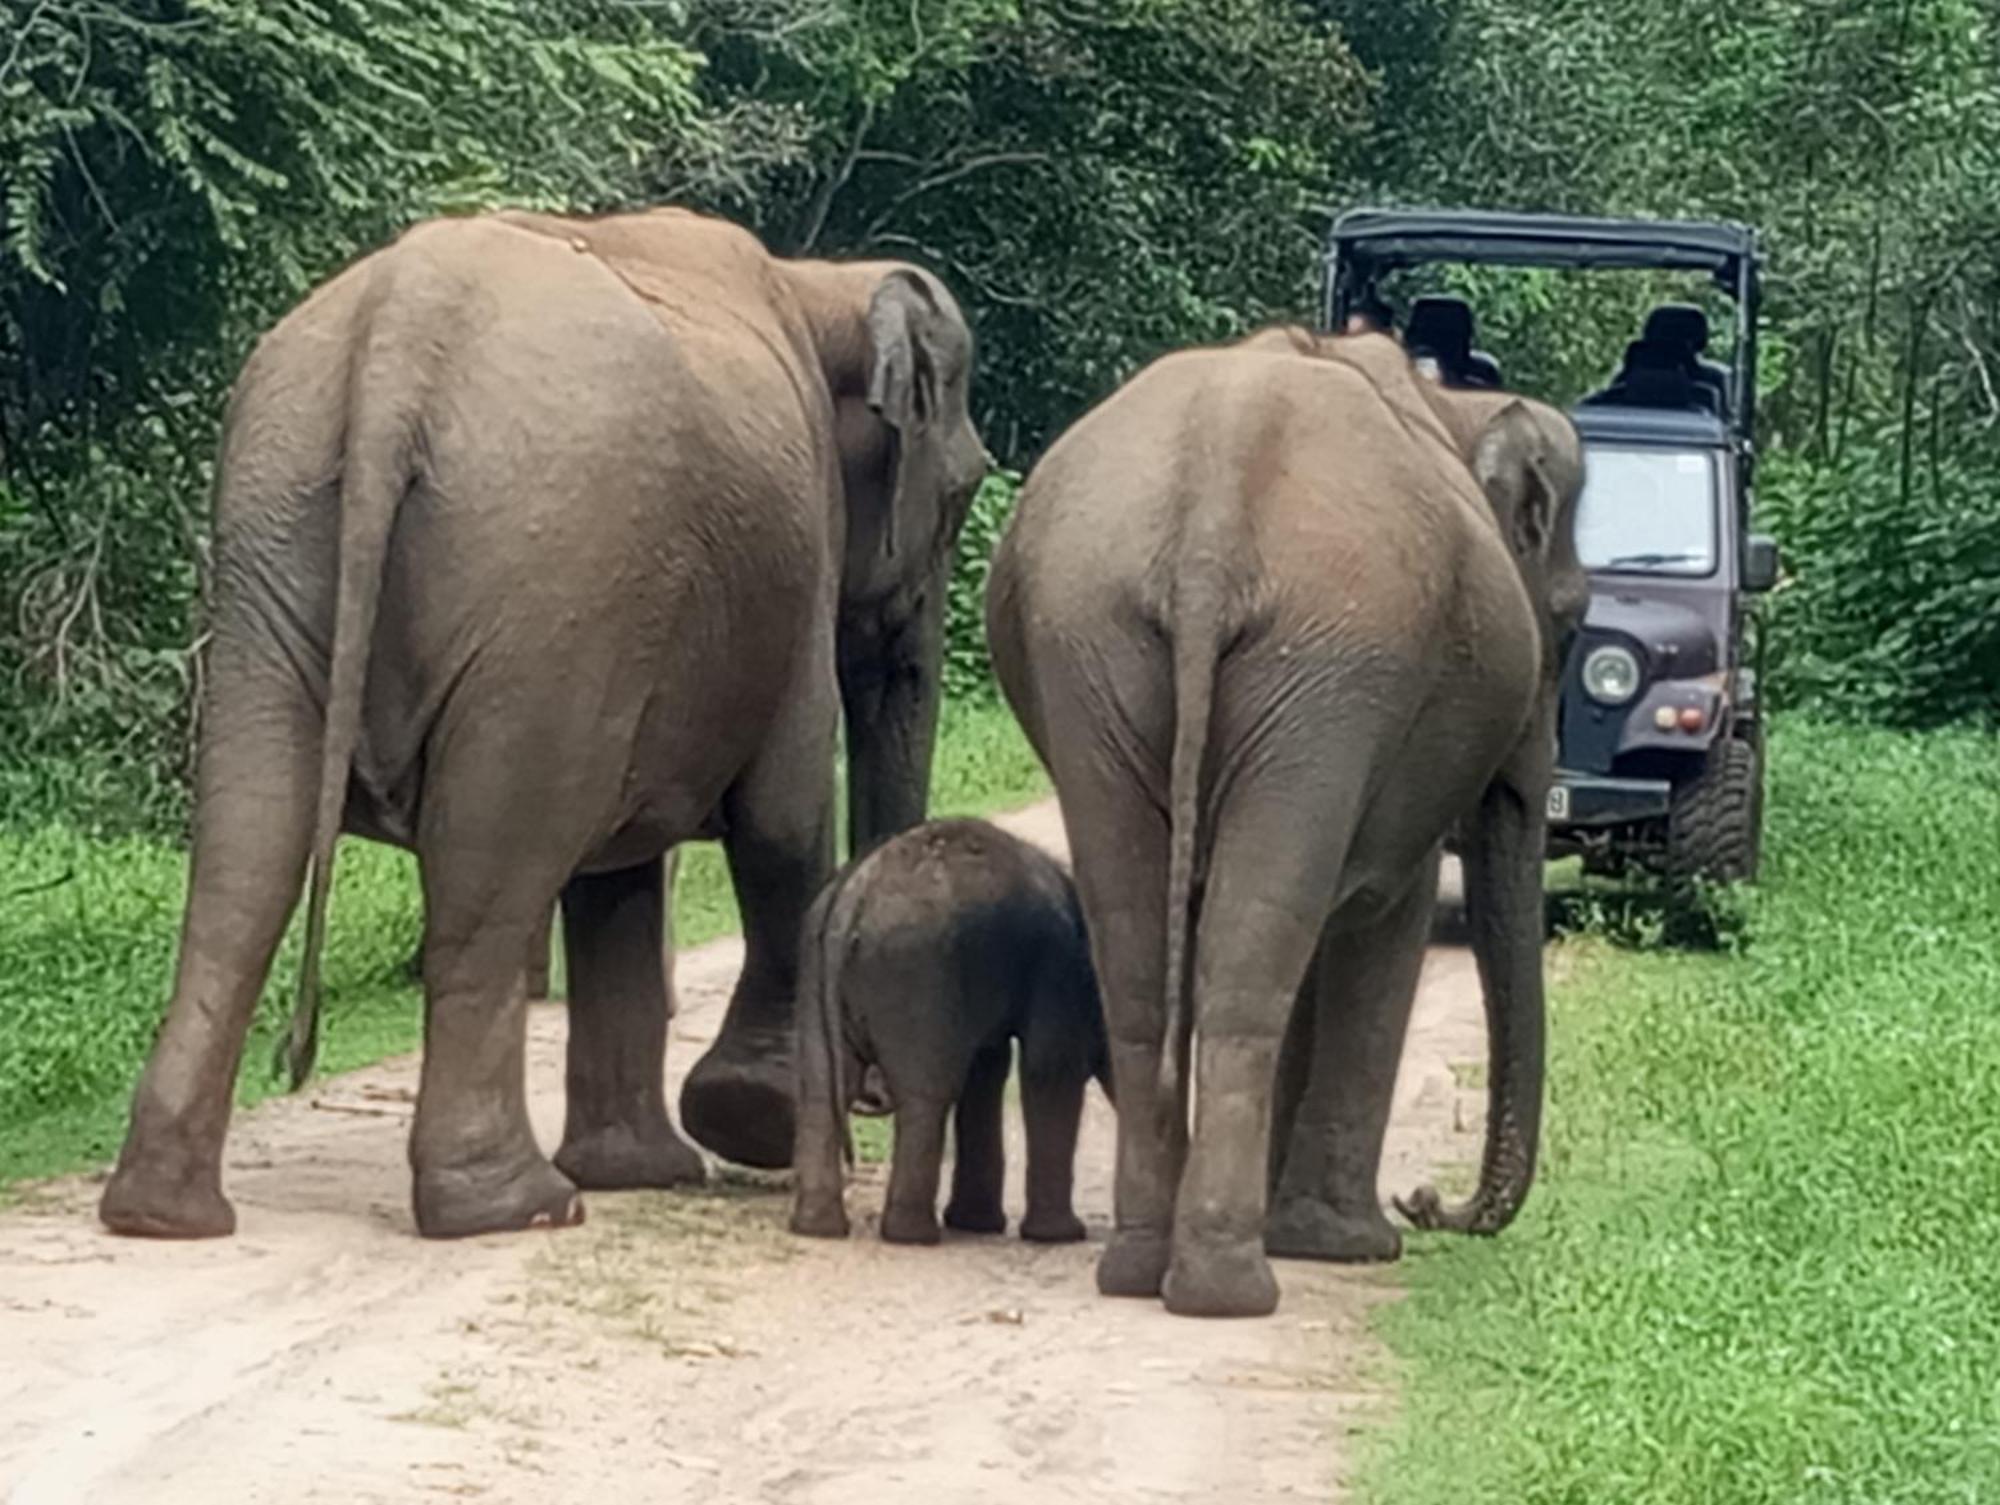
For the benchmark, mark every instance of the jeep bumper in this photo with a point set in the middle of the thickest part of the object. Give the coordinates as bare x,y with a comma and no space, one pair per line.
1584,799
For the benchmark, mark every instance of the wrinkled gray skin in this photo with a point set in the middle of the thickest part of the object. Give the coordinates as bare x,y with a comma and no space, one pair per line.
544,545
929,958
1278,617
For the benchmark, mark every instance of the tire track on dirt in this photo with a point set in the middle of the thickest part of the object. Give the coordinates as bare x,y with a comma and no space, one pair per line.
676,1347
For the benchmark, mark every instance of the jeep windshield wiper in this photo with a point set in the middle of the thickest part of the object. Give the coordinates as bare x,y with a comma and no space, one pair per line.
1648,561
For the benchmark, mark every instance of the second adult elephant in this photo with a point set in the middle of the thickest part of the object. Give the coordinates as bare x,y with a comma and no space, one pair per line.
542,546
1278,617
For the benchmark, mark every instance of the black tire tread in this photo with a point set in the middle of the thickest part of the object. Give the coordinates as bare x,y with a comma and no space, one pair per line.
1714,830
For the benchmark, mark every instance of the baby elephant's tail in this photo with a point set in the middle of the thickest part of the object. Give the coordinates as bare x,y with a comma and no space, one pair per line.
822,1088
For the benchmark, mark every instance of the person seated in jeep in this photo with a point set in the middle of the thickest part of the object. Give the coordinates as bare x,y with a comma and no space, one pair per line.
1665,367
1686,326
1438,335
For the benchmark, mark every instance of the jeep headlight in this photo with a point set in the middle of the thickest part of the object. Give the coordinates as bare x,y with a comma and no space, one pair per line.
1611,675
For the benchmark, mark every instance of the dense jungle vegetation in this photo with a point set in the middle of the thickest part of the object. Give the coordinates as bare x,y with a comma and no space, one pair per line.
1101,180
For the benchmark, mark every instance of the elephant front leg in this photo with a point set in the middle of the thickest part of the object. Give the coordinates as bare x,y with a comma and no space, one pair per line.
616,1134
738,1099
1325,1204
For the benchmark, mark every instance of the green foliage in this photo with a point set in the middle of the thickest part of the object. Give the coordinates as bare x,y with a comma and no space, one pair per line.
176,164
968,673
1757,1265
1892,609
89,925
1101,182
90,933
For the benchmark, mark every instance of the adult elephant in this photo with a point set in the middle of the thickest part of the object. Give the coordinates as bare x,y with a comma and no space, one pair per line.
541,546
1278,617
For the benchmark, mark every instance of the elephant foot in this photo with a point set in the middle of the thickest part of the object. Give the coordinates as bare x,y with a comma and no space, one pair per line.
737,1102
1223,1279
1307,1228
910,1225
976,1217
461,1201
620,1157
818,1217
1134,1263
141,1201
1040,1227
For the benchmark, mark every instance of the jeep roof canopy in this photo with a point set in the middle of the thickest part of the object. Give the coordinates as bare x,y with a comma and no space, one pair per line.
1368,243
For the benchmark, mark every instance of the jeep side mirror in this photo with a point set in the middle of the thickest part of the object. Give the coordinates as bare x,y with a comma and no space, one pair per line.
1760,562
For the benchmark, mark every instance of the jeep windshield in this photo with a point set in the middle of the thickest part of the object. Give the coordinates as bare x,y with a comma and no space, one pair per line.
1646,509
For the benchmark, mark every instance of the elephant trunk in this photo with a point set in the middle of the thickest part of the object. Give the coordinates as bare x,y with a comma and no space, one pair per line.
890,693
1503,900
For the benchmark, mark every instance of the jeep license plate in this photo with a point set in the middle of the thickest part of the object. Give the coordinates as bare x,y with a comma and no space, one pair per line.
1559,802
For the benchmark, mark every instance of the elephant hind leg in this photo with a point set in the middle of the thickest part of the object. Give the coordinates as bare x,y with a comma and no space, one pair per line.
487,887
1118,838
979,1156
909,1215
1325,1204
259,773
477,1168
1274,870
616,1134
1052,1108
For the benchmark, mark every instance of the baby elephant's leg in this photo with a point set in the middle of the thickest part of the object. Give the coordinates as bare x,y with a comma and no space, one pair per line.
910,1214
1052,1105
979,1157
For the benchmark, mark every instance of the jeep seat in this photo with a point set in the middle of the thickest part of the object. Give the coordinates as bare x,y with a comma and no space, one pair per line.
1440,329
1657,374
1687,326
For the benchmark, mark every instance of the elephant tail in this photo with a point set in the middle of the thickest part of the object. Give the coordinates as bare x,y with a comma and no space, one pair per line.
820,1055
1197,639
375,474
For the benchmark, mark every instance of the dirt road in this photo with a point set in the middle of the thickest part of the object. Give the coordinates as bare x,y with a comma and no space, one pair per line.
675,1348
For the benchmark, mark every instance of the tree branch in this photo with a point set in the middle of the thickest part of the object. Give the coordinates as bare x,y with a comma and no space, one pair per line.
823,196
952,175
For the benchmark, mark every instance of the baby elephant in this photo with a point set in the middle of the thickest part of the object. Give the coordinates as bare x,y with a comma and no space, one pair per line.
929,958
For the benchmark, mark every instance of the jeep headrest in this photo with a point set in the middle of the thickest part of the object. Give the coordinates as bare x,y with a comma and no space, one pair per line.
1659,355
1440,327
1678,324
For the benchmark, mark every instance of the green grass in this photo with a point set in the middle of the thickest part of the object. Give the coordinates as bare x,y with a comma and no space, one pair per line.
1763,1259
88,927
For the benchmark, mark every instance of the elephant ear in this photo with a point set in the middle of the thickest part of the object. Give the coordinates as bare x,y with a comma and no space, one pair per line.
905,329
1511,469
1530,465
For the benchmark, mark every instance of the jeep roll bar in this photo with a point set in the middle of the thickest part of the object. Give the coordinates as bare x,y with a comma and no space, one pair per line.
1368,243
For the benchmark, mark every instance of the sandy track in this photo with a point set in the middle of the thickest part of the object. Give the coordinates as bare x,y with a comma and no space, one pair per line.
676,1347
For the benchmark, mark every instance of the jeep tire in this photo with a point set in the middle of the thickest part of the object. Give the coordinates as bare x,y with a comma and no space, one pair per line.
1715,828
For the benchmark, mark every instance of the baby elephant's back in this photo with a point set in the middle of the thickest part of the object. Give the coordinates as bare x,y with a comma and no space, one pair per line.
996,916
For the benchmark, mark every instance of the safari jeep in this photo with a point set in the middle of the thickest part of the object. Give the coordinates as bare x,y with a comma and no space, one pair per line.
1661,762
